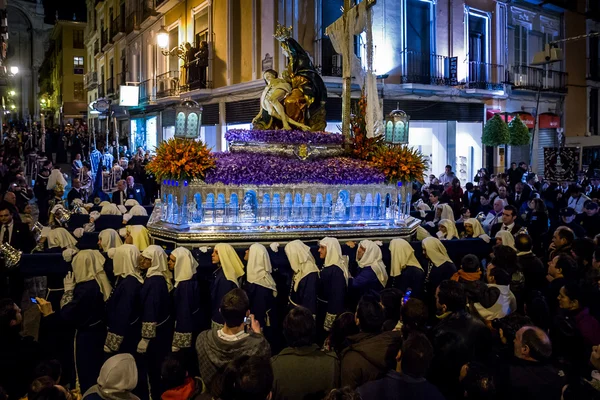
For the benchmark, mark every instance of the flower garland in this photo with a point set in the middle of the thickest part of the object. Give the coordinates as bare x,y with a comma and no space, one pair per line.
282,136
400,164
181,159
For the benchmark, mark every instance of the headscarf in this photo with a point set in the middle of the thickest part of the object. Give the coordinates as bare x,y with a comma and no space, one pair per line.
450,229
125,259
301,260
334,255
159,265
447,212
131,202
118,377
140,236
230,262
507,238
259,268
138,210
110,239
56,178
436,252
373,258
60,237
88,265
110,209
422,233
403,255
185,265
477,228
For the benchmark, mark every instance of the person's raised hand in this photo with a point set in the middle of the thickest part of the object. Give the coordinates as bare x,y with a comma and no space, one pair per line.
44,306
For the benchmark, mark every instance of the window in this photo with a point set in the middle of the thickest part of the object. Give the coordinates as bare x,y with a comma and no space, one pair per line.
78,93
78,39
594,97
520,45
201,27
78,65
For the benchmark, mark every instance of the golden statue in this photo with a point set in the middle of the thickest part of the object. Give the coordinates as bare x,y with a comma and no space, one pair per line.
298,98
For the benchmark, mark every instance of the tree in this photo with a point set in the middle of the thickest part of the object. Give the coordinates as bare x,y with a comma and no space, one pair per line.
518,132
495,132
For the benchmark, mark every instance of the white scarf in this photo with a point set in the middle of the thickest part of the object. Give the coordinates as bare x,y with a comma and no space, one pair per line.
185,265
159,265
60,237
403,255
110,239
507,238
447,212
118,376
450,226
125,261
110,209
301,260
334,255
88,265
436,252
232,266
477,228
259,268
373,258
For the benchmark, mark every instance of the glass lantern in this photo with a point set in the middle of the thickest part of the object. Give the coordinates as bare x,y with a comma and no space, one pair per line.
396,128
188,118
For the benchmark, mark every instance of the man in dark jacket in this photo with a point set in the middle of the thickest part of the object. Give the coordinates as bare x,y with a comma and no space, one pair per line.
471,199
509,216
371,353
408,381
530,375
589,219
457,339
530,265
135,190
302,370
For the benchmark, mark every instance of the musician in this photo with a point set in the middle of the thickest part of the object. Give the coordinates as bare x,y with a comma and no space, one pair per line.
77,192
86,179
59,192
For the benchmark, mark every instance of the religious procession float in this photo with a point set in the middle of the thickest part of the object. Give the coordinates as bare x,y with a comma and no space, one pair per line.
286,178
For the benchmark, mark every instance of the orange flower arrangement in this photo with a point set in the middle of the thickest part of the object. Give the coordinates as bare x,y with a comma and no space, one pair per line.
362,147
181,159
400,164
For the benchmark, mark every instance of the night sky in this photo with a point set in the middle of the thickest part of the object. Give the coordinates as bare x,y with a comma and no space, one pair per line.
65,9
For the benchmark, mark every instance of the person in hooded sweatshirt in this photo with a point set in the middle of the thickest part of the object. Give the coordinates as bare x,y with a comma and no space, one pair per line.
260,286
83,305
306,276
225,278
372,276
186,303
118,377
333,283
406,271
439,268
157,326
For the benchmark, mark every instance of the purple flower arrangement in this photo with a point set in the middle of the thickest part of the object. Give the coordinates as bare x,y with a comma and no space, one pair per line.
283,137
255,169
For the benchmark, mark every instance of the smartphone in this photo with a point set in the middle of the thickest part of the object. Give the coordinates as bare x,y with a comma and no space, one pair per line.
247,321
406,296
33,300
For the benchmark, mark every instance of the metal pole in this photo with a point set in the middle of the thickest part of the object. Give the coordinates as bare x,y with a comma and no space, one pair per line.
347,78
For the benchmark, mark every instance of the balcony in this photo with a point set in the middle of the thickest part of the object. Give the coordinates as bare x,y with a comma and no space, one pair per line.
90,80
593,69
148,10
167,85
523,77
101,93
104,38
133,21
117,27
110,87
147,91
196,78
425,69
121,79
96,48
485,76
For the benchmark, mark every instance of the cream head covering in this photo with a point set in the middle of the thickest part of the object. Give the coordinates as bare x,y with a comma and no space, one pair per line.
447,212
301,260
507,238
118,376
403,255
230,262
259,268
185,265
110,239
159,265
125,260
373,258
141,238
450,226
60,237
436,252
477,228
89,265
110,209
334,255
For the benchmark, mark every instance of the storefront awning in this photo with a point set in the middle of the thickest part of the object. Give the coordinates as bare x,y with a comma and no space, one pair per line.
527,118
549,121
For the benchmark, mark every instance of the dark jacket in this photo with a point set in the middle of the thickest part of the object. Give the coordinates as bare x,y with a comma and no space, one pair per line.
137,192
496,228
116,198
398,386
534,272
304,373
529,380
475,202
21,238
369,357
18,357
74,194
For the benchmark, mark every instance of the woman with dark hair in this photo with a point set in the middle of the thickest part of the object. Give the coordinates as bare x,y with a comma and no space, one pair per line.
343,327
455,193
491,190
482,174
537,223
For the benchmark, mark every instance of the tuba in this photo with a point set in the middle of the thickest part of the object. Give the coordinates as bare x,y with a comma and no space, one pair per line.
10,255
37,231
62,216
480,217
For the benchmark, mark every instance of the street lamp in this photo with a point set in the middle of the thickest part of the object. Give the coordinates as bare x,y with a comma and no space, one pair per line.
13,107
12,93
14,70
162,38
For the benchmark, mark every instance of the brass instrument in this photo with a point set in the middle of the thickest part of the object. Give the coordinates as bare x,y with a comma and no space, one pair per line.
62,216
37,231
77,208
11,255
480,217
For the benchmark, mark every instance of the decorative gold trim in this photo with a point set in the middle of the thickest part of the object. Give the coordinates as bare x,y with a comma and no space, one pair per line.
329,318
113,341
149,330
182,340
66,298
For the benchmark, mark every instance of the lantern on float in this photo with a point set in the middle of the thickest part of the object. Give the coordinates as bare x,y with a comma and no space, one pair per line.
396,128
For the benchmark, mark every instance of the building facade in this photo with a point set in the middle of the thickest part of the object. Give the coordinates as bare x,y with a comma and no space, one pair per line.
62,94
449,64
